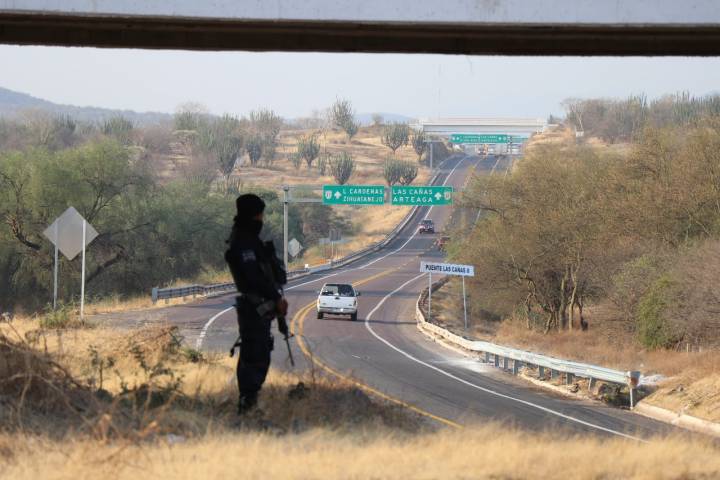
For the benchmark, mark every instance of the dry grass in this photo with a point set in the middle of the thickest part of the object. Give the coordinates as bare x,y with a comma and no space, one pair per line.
105,384
482,452
693,383
65,429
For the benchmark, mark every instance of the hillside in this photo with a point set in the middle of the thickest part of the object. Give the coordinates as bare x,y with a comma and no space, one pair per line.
13,104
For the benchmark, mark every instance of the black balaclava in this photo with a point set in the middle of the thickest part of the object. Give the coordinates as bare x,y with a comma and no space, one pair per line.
248,206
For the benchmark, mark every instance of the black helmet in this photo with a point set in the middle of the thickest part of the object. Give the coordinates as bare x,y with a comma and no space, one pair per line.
249,205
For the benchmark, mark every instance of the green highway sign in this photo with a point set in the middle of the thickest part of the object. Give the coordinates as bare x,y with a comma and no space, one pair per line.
430,195
478,138
353,194
515,139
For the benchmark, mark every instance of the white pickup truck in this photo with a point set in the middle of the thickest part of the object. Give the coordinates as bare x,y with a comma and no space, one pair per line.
337,299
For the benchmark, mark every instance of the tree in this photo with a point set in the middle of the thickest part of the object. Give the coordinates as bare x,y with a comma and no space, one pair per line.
342,167
308,148
222,139
398,171
409,173
419,143
266,125
548,237
393,171
118,127
377,119
343,115
190,116
254,149
296,159
323,162
49,130
100,179
395,135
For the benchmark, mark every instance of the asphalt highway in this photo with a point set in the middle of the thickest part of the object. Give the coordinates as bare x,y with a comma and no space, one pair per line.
384,353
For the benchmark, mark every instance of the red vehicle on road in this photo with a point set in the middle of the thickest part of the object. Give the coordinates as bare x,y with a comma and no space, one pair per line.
426,226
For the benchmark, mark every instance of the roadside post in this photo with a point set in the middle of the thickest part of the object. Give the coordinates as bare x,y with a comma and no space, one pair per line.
287,199
429,293
430,141
70,234
448,269
464,302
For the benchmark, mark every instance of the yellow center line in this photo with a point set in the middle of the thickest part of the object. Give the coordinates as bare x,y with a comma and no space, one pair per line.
299,321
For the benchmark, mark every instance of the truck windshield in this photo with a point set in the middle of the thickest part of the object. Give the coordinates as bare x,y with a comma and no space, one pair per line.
339,290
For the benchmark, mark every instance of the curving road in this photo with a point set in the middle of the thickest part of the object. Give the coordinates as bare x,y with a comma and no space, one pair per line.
384,352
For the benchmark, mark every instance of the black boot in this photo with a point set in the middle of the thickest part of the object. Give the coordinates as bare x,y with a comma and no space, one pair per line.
247,402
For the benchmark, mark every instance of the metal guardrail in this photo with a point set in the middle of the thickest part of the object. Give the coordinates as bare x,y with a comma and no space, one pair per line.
501,357
188,290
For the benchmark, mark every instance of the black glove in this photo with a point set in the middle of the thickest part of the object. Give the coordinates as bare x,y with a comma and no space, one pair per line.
283,326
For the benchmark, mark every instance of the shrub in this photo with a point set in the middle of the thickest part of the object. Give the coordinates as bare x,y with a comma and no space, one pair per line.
653,329
342,167
308,148
392,171
395,135
633,281
64,317
323,163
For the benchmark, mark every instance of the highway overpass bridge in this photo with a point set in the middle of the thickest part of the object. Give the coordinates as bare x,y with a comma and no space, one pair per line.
511,132
511,126
510,27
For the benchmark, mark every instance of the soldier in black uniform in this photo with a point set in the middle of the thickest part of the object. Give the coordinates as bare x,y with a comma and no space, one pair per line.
259,278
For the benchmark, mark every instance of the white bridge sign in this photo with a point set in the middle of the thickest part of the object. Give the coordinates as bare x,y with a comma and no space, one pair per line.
447,269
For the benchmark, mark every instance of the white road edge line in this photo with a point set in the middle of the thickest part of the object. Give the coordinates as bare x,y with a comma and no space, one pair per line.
203,332
478,387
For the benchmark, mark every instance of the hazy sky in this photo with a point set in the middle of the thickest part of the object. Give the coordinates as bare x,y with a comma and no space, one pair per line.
293,84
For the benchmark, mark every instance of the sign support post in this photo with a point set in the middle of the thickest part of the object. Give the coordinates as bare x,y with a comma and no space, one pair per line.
286,189
464,302
70,233
82,275
448,269
55,271
429,293
431,156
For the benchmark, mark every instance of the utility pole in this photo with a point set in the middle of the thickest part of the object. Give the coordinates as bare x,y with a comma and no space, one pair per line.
431,156
286,199
430,143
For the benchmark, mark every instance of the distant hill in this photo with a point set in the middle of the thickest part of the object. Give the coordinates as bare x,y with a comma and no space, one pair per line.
366,118
13,104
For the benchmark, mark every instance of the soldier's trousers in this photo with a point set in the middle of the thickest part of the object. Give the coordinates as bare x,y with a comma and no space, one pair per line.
256,343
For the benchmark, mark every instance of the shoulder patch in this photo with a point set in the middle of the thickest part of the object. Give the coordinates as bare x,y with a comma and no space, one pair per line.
248,256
